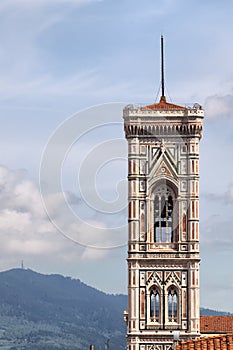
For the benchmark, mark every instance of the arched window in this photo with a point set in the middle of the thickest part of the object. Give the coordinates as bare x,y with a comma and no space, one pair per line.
172,305
163,216
154,305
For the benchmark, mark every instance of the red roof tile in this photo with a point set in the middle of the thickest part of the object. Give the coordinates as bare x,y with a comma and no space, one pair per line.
164,105
216,324
221,342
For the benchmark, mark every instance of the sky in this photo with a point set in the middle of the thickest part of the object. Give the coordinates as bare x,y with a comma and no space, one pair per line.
67,68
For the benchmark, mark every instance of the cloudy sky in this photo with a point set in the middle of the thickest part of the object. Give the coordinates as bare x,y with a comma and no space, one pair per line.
59,57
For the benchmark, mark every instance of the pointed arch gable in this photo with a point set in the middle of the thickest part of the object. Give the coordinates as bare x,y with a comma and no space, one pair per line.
167,162
154,280
155,286
172,280
165,181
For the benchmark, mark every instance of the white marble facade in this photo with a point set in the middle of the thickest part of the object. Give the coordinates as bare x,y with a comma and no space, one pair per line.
163,215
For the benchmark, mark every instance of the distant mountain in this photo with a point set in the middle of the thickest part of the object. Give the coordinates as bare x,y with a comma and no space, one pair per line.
210,312
51,312
48,312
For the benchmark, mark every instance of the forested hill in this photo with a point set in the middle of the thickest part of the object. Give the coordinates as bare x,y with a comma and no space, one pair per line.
55,312
48,312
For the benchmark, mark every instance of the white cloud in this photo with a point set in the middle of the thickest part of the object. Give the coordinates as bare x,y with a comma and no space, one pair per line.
11,220
18,194
93,254
31,247
26,230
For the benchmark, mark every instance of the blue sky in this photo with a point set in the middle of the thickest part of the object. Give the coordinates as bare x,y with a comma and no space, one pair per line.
58,57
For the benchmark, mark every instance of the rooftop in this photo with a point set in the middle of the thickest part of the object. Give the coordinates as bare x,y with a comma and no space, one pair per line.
216,324
221,342
163,109
164,105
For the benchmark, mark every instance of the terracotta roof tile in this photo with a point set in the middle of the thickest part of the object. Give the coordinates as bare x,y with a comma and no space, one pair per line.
216,324
164,105
221,342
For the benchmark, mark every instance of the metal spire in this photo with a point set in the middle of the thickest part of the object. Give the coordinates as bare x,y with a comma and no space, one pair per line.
163,98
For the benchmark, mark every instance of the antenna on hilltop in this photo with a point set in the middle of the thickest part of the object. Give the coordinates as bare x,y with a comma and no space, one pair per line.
163,98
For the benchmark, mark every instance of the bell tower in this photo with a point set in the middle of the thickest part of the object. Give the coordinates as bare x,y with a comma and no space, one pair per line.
163,222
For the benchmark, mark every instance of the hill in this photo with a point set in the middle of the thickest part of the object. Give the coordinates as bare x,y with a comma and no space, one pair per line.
52,312
48,312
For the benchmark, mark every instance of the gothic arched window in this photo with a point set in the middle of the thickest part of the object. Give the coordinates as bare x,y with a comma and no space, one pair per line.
172,305
163,216
154,305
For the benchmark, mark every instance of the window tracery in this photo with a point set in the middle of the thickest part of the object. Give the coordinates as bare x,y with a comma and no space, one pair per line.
163,215
172,305
154,305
